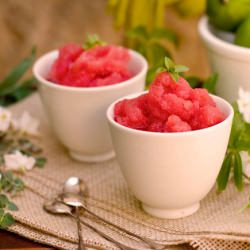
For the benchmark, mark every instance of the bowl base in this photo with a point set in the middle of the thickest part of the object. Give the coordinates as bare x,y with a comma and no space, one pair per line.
171,213
91,158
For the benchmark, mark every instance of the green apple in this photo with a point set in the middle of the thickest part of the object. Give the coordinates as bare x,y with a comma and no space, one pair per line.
242,35
227,14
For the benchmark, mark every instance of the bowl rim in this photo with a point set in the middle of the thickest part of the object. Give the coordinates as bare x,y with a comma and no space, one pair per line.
207,35
109,115
40,61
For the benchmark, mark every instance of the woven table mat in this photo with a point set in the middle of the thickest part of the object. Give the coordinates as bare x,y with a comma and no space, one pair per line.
217,225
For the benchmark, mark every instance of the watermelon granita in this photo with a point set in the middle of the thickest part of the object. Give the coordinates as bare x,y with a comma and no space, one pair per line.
169,106
100,65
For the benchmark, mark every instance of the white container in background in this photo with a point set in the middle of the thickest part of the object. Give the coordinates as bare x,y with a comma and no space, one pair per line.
230,61
77,115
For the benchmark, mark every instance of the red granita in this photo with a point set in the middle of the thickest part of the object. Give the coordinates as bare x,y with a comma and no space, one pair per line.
169,106
67,55
101,65
176,124
130,113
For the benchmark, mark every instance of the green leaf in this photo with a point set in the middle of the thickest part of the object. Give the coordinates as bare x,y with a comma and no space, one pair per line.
10,184
173,69
164,34
3,201
19,91
169,64
92,41
24,89
138,32
194,82
210,83
155,53
224,173
238,172
242,143
238,127
160,69
6,203
6,220
12,206
40,162
180,68
175,76
7,84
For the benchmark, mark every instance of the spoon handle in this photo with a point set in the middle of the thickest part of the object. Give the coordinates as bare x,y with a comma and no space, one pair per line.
106,236
79,230
146,241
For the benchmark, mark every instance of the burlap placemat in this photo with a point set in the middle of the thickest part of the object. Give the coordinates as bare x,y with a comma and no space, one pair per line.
217,225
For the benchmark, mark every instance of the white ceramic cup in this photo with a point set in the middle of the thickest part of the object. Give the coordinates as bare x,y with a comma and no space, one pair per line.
231,62
171,172
77,115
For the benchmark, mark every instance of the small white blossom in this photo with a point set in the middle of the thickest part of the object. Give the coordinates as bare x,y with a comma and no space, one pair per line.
5,119
18,161
244,104
245,164
26,124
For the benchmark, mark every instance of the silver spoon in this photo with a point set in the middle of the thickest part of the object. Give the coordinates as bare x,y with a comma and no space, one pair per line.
74,191
57,207
75,185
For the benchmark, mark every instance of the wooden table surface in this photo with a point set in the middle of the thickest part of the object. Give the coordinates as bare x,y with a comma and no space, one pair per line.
10,241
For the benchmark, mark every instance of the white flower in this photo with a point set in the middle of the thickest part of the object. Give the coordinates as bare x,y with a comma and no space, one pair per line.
18,161
244,104
5,119
245,164
26,124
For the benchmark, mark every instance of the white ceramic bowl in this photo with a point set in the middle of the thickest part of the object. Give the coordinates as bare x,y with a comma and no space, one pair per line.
171,172
77,115
230,61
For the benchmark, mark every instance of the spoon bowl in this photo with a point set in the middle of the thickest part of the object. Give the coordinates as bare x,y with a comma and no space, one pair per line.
73,199
55,207
75,185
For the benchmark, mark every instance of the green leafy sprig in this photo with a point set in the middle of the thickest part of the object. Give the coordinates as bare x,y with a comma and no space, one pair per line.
152,45
12,87
92,41
6,219
9,183
232,164
173,69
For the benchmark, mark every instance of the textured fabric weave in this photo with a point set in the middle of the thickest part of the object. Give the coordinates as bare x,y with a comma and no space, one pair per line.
217,225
